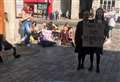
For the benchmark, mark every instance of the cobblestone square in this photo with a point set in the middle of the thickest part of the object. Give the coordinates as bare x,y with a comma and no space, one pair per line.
58,64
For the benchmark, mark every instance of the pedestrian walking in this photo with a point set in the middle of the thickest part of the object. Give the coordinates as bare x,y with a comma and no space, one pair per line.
111,25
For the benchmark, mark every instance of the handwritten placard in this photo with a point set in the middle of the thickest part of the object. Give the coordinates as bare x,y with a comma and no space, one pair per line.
93,35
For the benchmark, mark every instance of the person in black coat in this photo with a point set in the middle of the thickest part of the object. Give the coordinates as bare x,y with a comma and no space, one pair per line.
5,45
82,51
99,18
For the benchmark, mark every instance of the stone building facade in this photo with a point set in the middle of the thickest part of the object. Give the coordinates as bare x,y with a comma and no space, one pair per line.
11,27
73,6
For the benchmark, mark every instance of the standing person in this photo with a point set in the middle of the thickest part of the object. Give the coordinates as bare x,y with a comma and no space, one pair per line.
56,15
111,25
82,51
99,19
26,25
60,14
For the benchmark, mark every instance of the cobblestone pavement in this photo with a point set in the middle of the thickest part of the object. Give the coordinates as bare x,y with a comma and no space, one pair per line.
58,64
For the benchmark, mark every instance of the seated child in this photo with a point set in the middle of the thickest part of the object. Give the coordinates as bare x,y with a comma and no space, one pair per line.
64,35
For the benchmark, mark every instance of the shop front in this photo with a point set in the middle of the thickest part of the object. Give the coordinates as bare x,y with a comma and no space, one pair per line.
40,7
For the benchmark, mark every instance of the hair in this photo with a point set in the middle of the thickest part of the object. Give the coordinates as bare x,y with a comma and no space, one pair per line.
86,13
69,27
1,37
99,11
35,23
66,24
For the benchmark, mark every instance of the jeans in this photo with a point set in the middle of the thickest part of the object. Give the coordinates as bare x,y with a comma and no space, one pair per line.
26,34
27,38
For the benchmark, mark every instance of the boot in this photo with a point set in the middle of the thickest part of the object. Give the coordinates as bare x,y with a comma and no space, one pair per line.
90,68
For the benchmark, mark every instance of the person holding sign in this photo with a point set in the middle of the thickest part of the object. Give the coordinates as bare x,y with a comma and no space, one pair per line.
79,48
89,39
99,38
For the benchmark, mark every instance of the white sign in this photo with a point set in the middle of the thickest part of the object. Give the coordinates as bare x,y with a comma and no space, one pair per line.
19,7
93,35
47,35
35,8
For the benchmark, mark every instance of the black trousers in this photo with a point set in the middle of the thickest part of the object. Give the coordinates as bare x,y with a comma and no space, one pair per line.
7,46
81,58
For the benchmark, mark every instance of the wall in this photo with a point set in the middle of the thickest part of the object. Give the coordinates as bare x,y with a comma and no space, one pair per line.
75,9
95,5
1,17
56,5
117,5
62,5
10,28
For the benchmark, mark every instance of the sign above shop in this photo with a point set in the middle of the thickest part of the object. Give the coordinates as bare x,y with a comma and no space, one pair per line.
38,1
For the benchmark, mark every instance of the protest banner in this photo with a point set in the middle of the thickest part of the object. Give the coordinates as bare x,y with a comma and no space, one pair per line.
93,35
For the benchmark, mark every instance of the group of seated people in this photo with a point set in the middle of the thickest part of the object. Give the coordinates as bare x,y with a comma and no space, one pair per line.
49,34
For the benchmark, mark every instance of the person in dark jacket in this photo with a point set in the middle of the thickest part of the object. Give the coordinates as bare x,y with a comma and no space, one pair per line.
99,18
82,51
5,45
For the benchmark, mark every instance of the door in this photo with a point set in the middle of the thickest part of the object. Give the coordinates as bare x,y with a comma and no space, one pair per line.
1,17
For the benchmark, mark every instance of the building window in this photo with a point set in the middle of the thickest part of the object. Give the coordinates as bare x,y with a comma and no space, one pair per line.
107,4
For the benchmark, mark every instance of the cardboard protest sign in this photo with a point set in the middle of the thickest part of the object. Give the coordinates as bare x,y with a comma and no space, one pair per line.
93,35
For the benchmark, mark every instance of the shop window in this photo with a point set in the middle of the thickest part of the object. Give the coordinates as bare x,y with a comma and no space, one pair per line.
113,4
37,8
42,8
107,4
